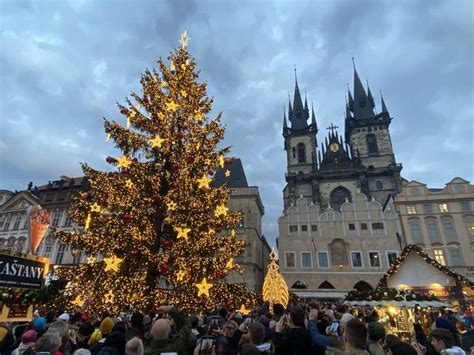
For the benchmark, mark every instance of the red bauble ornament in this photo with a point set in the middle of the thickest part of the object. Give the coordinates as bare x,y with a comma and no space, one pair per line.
157,197
127,217
124,171
179,135
135,254
123,111
110,159
175,167
164,267
199,122
167,244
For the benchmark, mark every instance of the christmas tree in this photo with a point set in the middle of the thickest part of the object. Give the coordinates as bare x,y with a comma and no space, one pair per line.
275,289
155,230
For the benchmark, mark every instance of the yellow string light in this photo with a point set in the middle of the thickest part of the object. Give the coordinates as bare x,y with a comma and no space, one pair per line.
275,289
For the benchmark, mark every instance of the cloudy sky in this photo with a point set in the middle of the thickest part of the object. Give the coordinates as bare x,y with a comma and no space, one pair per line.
64,64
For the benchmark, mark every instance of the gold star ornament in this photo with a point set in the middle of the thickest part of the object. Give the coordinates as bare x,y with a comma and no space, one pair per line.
203,288
180,275
78,301
221,161
171,206
172,106
112,263
244,311
109,297
88,222
227,173
182,232
156,142
221,210
129,183
123,162
204,182
91,259
230,264
95,208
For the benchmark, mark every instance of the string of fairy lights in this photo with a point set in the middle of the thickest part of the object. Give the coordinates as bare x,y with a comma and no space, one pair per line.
155,230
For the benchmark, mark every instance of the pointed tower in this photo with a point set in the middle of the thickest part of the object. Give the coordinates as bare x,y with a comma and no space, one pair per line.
370,97
300,146
362,105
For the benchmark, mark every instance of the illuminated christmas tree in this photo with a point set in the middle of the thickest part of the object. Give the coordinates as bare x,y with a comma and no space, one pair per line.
275,289
156,230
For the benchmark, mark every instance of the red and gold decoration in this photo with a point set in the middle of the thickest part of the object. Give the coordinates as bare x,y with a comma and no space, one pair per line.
39,223
275,289
159,201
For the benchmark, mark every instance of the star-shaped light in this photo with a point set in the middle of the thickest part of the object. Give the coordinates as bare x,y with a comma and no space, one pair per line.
88,222
198,115
172,106
227,173
221,161
91,259
184,93
180,275
203,288
156,142
109,297
129,183
78,301
182,232
204,182
184,40
112,263
221,210
171,206
211,231
123,162
244,311
230,264
96,208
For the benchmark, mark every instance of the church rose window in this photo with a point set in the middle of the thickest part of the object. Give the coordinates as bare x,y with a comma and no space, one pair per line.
338,196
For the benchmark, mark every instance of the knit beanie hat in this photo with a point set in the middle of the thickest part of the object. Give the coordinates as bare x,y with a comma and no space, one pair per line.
106,326
39,323
29,337
376,331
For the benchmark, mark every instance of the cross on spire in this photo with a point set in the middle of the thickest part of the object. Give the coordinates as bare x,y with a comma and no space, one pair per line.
332,128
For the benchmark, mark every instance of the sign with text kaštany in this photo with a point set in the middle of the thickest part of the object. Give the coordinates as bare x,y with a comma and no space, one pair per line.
21,272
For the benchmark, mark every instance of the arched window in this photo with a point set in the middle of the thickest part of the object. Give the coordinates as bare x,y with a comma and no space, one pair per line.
372,144
327,285
299,285
363,286
301,153
338,196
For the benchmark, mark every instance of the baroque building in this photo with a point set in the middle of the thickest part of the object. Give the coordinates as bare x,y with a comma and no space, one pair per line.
55,197
339,230
441,221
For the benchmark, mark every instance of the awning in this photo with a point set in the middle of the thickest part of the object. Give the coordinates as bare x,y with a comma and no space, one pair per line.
320,294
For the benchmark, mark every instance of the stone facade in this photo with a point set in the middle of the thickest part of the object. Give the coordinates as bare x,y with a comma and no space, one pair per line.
441,221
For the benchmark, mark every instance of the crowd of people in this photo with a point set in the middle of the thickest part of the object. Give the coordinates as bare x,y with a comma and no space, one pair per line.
298,330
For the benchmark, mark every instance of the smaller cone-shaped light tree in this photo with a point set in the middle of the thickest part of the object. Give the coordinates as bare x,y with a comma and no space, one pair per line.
275,289
155,230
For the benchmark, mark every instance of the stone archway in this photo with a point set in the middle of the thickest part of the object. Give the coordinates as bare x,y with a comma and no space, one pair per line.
363,286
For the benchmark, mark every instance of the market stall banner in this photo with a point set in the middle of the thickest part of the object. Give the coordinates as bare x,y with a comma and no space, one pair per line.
21,272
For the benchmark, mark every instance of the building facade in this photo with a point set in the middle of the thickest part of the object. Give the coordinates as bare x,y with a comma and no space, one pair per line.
337,231
441,221
56,198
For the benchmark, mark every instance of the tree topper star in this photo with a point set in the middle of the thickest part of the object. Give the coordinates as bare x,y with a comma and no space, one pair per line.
112,263
203,287
184,40
221,210
182,232
204,182
156,142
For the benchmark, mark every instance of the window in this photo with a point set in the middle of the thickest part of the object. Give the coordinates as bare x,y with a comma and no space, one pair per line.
374,259
372,144
465,206
456,257
432,229
47,251
391,257
60,254
323,260
56,218
304,228
356,258
306,261
19,245
6,226
458,188
294,152
76,258
379,185
26,222
439,256
293,228
352,227
314,228
377,225
449,230
415,230
301,153
290,259
363,226
338,196
16,223
428,208
443,207
411,210
68,221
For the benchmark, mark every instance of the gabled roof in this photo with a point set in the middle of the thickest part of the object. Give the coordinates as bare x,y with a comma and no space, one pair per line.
16,199
458,180
235,179
413,183
412,247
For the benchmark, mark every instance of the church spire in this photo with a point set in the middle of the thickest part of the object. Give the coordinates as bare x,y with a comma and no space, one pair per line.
298,116
313,117
297,102
351,100
285,125
384,107
369,95
348,111
306,109
362,104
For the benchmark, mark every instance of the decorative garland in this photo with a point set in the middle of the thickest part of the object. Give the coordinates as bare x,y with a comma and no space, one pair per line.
412,247
389,294
24,297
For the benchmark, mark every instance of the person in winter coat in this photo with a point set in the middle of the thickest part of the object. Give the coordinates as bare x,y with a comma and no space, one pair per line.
466,337
355,338
295,340
443,342
28,340
376,333
114,344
